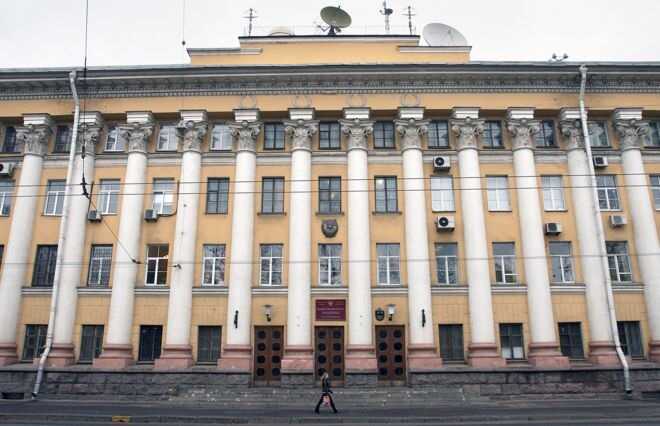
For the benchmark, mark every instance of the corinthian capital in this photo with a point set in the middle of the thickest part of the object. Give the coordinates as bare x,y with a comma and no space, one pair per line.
34,138
572,131
136,135
523,131
191,134
631,133
411,132
300,133
245,134
357,131
88,136
467,130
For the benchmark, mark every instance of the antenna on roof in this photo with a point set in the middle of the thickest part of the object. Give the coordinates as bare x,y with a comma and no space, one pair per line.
251,16
408,11
555,58
386,12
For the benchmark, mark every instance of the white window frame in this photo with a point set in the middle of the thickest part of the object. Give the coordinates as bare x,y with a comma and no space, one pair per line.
6,195
501,261
163,197
225,139
217,264
325,277
616,258
653,137
59,198
101,261
446,261
595,139
605,191
106,195
389,260
655,190
113,141
271,263
565,260
442,194
498,193
553,193
167,139
158,260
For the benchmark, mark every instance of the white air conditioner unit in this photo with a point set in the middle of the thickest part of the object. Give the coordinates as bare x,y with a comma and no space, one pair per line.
441,164
552,228
150,215
445,223
600,161
617,221
94,216
6,169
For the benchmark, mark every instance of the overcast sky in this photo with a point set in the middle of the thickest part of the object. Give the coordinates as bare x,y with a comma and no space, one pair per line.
50,33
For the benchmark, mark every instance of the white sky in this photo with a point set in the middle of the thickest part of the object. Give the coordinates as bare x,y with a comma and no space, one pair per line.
48,33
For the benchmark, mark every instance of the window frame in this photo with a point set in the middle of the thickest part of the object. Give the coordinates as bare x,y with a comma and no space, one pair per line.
442,199
276,141
108,196
447,261
93,343
630,334
333,140
333,205
113,140
383,135
223,134
616,259
500,260
608,194
161,264
39,333
166,195
213,344
433,136
653,137
388,260
546,138
276,194
9,136
388,192
59,193
654,180
7,187
221,194
489,140
218,265
452,333
561,261
553,196
494,202
333,263
602,124
172,138
49,267
105,262
274,267
570,339
520,334
156,343
60,147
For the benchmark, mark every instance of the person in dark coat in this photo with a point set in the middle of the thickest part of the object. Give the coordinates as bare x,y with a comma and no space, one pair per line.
326,392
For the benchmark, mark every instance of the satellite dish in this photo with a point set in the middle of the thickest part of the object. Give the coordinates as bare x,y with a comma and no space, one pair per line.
336,18
437,34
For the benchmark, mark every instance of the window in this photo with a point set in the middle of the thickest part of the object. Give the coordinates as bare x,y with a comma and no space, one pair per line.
6,193
545,138
91,342
505,263
114,141
442,193
329,264
388,264
598,134
157,259
655,189
492,137
553,193
54,198
570,340
562,262
214,265
273,136
451,342
630,336
329,136
272,195
99,266
386,196
2,253
163,196
653,138
221,138
217,196
446,263
208,344
9,144
498,193
438,135
35,340
108,196
62,139
511,341
44,266
167,139
271,264
618,261
151,337
384,134
329,195
608,196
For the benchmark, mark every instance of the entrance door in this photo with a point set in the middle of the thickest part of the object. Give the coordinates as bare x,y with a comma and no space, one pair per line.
329,353
268,343
390,350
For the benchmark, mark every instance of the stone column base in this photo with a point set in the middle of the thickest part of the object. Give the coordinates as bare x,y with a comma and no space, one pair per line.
654,351
61,355
114,357
174,357
547,355
236,358
361,359
8,354
423,358
603,354
485,355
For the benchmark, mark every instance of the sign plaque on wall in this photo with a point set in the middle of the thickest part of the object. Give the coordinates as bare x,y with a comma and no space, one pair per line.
331,310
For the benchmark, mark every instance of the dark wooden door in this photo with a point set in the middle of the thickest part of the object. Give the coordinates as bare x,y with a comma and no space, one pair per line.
268,347
391,353
329,353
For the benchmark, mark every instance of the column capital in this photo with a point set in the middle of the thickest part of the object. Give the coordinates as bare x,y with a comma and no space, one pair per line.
572,131
411,131
34,138
357,131
245,134
191,134
300,133
88,136
137,135
631,133
468,131
523,131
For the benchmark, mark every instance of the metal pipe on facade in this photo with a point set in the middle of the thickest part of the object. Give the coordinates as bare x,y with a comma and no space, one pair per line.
601,236
61,238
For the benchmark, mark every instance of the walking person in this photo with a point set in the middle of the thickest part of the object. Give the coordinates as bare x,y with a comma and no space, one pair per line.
326,394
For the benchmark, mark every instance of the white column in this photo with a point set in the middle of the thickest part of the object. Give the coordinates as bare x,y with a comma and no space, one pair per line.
62,352
421,349
299,355
631,135
34,136
177,351
601,342
237,350
543,347
360,355
117,351
482,350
